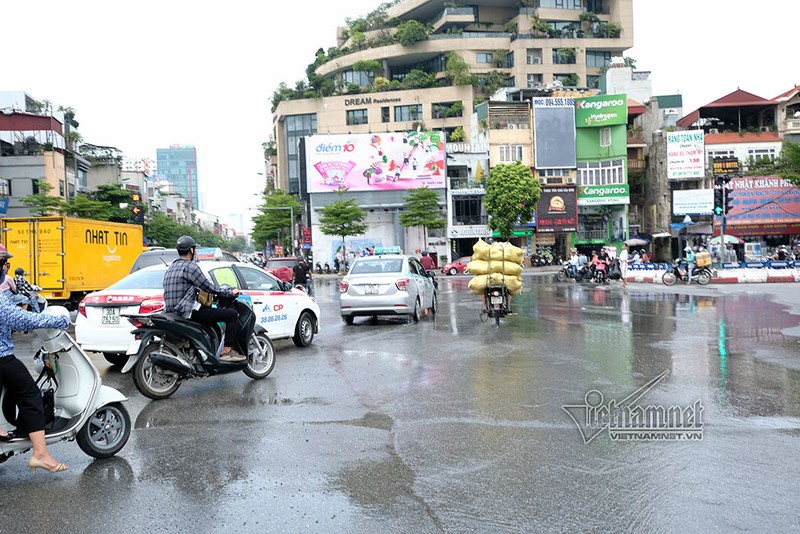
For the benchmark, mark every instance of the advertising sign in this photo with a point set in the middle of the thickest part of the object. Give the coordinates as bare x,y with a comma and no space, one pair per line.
726,166
375,162
763,205
693,202
557,210
685,155
554,132
597,195
603,110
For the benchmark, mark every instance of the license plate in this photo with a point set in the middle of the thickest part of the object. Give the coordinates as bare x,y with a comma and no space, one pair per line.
371,290
110,316
497,300
133,348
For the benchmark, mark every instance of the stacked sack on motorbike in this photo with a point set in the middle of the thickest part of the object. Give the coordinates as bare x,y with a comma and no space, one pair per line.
497,264
703,258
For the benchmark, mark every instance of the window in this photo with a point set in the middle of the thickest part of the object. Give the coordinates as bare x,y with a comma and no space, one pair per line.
598,59
534,56
535,80
510,153
592,82
563,56
407,113
467,210
551,173
601,172
761,153
257,280
5,188
560,4
224,276
483,57
356,116
605,137
385,114
357,77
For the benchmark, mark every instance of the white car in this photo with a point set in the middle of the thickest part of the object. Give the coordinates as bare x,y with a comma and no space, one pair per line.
285,312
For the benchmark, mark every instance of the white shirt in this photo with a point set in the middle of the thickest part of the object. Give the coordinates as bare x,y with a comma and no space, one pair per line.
623,256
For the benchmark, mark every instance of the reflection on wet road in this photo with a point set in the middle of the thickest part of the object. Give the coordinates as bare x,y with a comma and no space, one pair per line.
454,425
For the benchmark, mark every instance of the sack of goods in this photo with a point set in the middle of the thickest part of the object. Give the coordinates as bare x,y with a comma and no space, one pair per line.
496,264
703,259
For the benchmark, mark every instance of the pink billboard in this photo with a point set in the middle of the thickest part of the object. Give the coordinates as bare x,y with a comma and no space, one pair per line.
375,162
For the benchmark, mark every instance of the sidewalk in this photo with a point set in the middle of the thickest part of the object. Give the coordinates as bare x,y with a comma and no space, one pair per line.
726,276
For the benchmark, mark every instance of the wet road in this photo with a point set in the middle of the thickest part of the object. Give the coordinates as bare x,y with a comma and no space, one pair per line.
453,425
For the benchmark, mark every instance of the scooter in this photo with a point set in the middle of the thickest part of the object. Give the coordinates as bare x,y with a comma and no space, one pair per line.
495,303
77,406
318,268
327,268
565,273
168,349
600,273
679,271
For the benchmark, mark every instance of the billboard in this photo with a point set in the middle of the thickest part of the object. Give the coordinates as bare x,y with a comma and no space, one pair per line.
375,162
557,210
763,205
554,132
685,155
603,110
693,202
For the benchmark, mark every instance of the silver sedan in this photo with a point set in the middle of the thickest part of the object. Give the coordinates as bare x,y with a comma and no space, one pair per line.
394,284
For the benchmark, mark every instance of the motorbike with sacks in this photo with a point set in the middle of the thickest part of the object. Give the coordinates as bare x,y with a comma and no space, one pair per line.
168,349
680,271
495,303
78,407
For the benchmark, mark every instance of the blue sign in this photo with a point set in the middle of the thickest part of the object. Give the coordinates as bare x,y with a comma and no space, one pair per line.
4,205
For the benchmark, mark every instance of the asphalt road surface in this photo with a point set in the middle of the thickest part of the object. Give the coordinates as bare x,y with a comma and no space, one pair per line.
454,425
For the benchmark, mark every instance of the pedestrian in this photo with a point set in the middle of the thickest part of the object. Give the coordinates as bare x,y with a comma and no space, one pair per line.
623,265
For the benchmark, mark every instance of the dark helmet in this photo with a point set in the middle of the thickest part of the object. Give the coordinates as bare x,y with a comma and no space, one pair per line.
4,253
424,252
185,242
19,271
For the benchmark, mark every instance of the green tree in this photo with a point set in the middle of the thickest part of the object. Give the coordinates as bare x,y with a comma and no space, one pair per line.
343,218
411,32
787,165
83,207
43,203
457,70
421,208
275,218
114,195
511,196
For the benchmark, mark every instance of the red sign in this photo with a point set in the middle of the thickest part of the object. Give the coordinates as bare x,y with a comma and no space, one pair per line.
306,235
762,205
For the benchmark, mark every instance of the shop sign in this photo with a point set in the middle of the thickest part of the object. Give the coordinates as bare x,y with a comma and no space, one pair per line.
597,195
602,110
456,232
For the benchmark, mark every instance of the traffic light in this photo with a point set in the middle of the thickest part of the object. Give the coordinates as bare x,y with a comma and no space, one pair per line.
136,209
719,204
729,202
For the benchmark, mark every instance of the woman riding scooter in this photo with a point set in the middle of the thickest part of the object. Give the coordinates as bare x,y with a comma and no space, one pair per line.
18,380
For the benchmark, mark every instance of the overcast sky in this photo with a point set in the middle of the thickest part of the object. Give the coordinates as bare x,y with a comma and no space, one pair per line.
145,75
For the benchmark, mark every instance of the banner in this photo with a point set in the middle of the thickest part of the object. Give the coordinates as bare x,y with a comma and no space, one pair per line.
762,205
597,195
554,133
557,210
685,155
603,110
375,162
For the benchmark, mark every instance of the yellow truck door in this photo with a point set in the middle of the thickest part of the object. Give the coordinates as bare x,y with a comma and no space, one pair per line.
38,247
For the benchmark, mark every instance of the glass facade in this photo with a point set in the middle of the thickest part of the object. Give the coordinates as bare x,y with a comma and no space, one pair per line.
297,127
178,164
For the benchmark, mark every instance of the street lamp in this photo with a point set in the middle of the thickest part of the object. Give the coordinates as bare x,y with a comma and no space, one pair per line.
291,214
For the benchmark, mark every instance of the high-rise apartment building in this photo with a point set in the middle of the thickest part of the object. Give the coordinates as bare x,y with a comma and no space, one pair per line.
178,164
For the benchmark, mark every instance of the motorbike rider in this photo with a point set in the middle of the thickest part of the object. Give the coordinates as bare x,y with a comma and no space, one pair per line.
182,281
25,288
427,261
16,378
690,262
574,260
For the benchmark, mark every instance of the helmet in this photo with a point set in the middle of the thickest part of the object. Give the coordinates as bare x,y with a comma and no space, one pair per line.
185,242
424,252
19,271
4,253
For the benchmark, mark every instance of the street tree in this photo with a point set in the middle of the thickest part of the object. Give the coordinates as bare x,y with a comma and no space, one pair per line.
342,218
274,221
511,196
787,165
115,195
84,208
42,203
421,209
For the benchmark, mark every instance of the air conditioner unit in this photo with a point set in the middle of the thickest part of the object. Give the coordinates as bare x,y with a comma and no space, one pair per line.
571,180
537,60
765,128
713,130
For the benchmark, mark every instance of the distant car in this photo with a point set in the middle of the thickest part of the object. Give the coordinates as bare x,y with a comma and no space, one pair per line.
165,256
277,266
285,312
386,285
458,266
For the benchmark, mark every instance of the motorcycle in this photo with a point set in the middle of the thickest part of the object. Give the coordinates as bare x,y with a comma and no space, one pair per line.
168,349
600,273
679,271
327,268
318,268
77,406
495,304
565,273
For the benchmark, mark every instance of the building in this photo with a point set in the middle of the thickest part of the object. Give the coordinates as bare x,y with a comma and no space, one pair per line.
378,79
178,165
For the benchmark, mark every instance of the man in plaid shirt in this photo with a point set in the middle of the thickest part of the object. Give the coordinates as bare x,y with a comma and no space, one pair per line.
182,281
25,288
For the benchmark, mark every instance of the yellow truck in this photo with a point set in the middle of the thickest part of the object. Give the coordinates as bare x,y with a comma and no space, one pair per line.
69,257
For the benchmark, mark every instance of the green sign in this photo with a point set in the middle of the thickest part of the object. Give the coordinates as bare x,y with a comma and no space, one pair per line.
602,110
517,233
598,195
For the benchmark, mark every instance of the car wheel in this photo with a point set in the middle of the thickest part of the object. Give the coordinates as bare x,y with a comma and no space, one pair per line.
433,304
115,359
415,316
348,319
452,271
304,331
